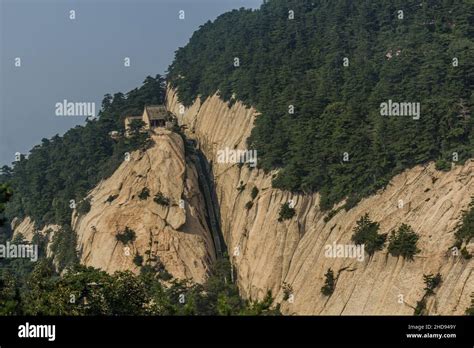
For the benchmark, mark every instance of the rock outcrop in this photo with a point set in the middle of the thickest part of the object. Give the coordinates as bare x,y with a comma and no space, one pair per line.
26,227
175,234
287,257
272,255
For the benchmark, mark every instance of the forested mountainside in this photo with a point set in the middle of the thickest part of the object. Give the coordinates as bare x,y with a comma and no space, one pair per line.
318,72
412,229
38,189
64,168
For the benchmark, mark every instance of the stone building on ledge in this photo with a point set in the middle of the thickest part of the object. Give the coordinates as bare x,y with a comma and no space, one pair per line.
154,116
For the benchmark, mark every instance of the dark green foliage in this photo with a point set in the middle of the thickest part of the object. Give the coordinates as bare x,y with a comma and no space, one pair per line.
138,260
144,194
442,165
42,240
249,205
403,242
127,236
351,201
470,310
254,192
161,199
126,294
465,230
84,206
93,292
9,296
264,307
431,282
13,272
63,247
420,307
286,212
138,137
64,168
241,187
329,283
337,109
366,232
222,296
162,272
136,127
331,214
287,291
88,291
5,196
111,198
465,253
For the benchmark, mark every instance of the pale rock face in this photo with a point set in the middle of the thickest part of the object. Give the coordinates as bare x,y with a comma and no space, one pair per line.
26,227
177,236
267,253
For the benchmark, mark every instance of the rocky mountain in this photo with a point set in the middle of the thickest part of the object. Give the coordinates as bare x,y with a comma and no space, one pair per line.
319,74
269,254
287,257
175,235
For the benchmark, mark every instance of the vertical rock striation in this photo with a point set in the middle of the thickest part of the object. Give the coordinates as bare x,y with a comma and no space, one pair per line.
175,235
268,253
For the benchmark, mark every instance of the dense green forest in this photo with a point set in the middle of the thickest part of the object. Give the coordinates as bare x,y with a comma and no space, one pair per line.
292,54
28,288
65,168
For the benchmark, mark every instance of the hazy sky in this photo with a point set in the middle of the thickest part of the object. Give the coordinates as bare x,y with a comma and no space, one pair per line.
81,60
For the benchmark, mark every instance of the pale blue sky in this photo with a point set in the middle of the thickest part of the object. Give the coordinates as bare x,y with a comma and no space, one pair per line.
82,60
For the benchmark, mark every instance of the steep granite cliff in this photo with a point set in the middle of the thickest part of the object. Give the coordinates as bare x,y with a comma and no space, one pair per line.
267,253
26,227
173,235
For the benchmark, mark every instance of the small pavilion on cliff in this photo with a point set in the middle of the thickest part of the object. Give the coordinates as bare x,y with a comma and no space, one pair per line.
153,116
